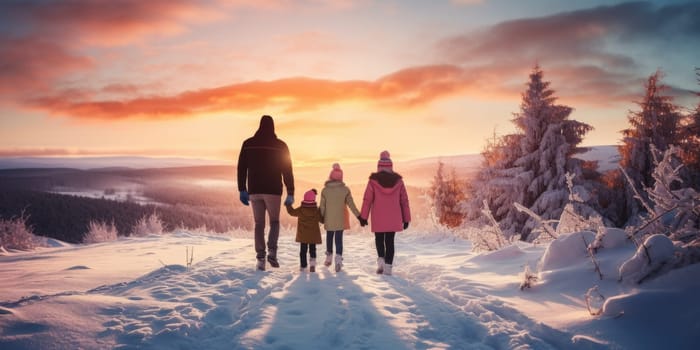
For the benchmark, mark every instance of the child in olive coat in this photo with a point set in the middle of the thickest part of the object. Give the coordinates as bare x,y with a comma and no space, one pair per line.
335,201
308,231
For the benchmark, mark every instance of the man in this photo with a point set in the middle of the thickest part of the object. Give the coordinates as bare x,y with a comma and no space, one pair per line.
263,163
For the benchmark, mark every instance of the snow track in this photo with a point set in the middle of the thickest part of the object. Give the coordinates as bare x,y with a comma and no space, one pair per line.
221,302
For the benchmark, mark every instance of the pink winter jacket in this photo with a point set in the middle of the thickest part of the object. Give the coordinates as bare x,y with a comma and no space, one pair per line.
387,202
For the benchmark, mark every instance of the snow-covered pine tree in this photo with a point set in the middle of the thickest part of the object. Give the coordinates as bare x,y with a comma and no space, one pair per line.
492,183
529,167
447,194
550,140
656,123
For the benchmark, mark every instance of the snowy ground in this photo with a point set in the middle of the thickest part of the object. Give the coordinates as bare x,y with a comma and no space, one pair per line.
139,293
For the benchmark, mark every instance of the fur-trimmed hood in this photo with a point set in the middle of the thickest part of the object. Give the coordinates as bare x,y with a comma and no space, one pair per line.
385,179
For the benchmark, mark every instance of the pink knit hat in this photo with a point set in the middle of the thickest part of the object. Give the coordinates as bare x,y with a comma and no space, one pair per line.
337,173
309,197
384,163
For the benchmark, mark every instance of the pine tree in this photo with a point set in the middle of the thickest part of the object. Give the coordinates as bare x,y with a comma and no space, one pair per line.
530,166
657,123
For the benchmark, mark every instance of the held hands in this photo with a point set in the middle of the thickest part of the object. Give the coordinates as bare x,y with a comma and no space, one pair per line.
405,225
363,222
289,200
244,197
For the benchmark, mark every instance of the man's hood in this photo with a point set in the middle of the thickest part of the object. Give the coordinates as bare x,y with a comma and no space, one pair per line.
267,127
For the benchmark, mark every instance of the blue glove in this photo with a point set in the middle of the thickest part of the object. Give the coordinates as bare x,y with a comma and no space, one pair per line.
244,197
289,200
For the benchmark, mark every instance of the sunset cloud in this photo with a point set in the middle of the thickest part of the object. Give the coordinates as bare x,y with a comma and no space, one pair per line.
31,64
191,77
578,47
102,23
40,40
405,88
574,49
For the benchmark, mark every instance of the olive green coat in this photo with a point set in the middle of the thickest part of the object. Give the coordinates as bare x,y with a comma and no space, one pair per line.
308,230
335,196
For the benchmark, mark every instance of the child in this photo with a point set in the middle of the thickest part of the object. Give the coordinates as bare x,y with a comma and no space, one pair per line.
387,201
308,231
335,199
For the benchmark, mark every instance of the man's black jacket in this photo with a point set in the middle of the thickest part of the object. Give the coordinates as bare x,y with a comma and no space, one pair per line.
264,162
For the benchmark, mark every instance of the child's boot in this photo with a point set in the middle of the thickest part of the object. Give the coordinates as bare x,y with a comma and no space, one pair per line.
338,262
312,265
380,265
387,269
329,259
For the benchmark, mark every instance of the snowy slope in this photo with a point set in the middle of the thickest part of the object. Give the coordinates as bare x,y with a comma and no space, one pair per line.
608,157
138,293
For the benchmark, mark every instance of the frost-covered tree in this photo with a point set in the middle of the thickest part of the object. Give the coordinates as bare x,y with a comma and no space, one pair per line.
550,140
447,194
529,167
657,123
675,207
99,231
148,225
690,144
492,183
16,233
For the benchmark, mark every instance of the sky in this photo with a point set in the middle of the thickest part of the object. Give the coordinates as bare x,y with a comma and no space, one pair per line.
343,79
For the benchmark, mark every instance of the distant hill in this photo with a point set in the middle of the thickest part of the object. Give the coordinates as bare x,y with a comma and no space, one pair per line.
102,162
106,171
608,157
61,200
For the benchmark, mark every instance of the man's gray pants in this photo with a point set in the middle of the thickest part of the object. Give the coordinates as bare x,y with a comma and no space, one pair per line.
271,204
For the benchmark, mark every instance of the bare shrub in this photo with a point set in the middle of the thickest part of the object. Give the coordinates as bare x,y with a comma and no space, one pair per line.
15,233
529,278
489,236
148,225
100,232
594,301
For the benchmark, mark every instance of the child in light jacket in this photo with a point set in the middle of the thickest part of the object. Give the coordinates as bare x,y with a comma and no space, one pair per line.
386,201
335,201
308,231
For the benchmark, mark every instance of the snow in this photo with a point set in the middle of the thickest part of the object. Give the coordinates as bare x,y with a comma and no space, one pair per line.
140,293
656,251
607,156
567,249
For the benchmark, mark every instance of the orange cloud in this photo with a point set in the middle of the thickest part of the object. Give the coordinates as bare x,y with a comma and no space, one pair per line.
38,39
104,23
405,88
32,64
